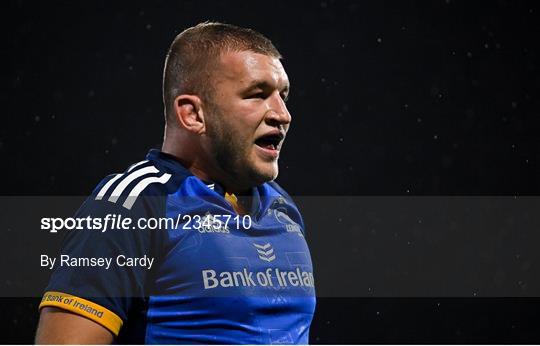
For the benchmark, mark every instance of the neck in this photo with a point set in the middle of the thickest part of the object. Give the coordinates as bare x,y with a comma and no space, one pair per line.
187,149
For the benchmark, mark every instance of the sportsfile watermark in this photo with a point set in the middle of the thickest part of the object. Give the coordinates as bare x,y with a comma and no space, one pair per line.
118,222
360,246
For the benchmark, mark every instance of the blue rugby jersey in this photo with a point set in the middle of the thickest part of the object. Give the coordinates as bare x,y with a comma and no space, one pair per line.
216,276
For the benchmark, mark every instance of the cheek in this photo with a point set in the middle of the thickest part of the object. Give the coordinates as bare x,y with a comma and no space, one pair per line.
238,141
241,124
244,132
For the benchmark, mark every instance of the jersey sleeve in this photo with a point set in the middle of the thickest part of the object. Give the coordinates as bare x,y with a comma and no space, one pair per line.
103,292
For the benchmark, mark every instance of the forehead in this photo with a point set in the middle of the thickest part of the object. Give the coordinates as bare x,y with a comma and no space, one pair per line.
244,67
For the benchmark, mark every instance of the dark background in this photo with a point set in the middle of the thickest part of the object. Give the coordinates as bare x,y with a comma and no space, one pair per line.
387,98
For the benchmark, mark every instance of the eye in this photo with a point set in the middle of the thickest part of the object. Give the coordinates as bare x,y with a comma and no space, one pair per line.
257,95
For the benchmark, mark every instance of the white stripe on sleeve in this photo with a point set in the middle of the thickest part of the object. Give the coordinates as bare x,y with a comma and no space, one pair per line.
134,193
127,180
106,187
135,165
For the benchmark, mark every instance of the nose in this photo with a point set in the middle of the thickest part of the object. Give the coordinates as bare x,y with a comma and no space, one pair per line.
278,114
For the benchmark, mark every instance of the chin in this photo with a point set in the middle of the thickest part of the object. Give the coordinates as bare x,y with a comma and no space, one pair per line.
266,172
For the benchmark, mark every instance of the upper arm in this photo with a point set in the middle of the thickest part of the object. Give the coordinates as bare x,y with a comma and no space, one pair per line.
97,298
57,326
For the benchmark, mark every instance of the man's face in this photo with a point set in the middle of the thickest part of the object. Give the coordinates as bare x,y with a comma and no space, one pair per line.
248,119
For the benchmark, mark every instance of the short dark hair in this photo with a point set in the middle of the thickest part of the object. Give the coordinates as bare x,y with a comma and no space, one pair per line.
194,51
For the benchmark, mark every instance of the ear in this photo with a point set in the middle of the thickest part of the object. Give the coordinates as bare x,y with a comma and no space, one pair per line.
189,113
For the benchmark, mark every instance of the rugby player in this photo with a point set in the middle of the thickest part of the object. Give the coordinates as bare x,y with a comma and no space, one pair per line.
237,268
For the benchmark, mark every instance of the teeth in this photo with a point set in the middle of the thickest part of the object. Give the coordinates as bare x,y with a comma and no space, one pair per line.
268,142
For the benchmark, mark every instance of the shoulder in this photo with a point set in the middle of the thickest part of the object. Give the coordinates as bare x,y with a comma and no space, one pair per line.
144,180
276,187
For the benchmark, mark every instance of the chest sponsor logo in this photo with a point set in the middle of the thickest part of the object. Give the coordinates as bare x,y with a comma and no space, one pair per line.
271,277
265,251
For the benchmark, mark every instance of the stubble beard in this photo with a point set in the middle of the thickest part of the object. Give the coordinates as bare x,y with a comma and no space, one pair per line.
231,155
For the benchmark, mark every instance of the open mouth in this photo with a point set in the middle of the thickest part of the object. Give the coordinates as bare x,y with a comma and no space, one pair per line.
270,141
